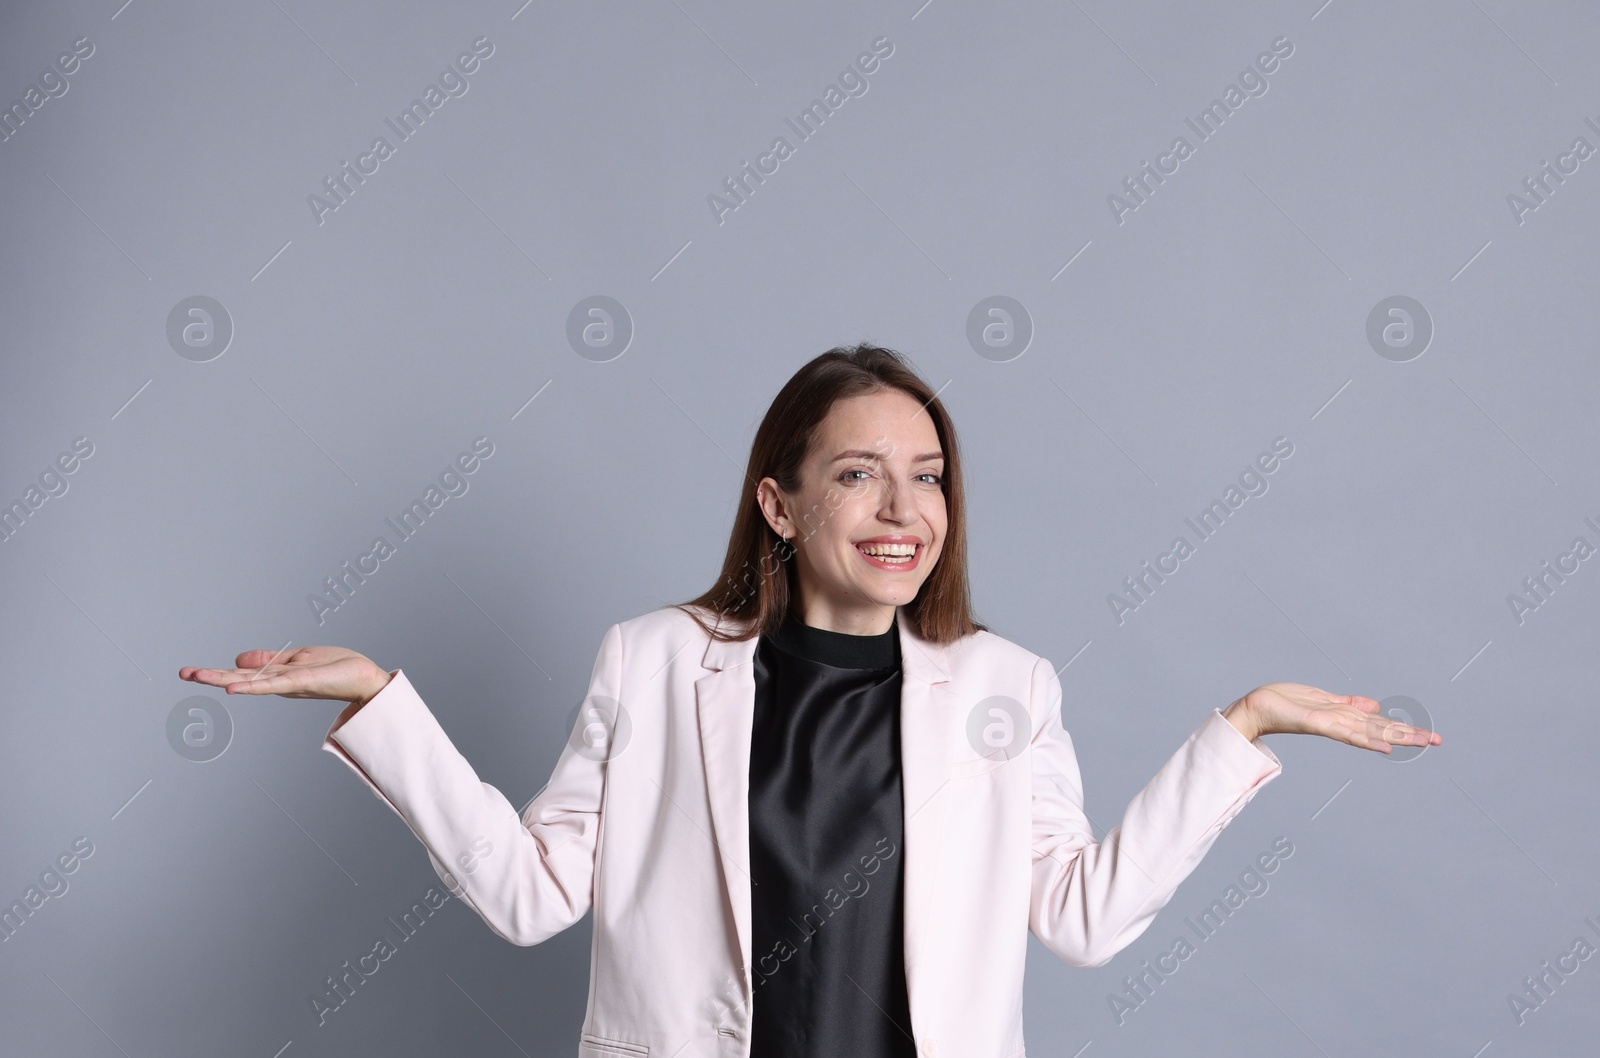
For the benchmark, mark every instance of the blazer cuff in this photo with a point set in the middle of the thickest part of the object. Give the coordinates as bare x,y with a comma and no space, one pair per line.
1249,760
366,735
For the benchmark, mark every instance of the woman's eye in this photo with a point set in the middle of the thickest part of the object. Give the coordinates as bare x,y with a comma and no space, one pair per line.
846,475
937,478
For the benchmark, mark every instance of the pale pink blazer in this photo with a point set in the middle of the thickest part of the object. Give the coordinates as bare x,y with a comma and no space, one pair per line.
655,841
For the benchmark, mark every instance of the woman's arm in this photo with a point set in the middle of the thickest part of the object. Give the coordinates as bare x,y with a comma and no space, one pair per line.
529,876
1091,899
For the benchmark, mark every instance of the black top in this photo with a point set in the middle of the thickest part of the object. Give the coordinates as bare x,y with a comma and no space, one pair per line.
825,847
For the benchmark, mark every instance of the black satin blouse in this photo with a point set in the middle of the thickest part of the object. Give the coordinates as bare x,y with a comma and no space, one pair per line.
825,847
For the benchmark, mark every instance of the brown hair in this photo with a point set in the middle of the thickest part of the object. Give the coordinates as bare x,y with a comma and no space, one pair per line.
754,590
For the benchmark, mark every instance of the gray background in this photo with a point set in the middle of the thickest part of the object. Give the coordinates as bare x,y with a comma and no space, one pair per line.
369,350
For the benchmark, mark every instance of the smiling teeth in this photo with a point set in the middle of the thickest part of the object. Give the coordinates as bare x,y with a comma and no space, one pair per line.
888,550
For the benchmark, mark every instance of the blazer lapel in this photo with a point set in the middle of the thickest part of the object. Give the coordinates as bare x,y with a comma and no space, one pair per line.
927,710
725,708
725,704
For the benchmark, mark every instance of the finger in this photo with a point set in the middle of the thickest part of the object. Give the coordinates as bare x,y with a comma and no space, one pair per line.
231,678
260,659
1397,733
254,683
211,677
1360,731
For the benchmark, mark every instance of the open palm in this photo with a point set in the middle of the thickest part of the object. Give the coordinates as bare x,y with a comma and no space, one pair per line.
302,672
1298,708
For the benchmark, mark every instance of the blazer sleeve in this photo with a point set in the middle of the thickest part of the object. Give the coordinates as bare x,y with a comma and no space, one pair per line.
529,876
1090,899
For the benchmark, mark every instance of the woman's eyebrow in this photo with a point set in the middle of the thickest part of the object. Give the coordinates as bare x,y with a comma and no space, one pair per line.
861,453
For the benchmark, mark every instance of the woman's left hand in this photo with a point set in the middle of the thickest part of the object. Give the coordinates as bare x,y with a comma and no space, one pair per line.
1298,708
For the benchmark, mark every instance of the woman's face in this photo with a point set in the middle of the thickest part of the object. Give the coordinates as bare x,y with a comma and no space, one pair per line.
873,480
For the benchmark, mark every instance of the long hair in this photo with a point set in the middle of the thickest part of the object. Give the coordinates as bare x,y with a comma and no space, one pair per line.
752,594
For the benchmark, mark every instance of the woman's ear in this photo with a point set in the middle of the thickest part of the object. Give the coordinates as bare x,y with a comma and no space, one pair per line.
770,499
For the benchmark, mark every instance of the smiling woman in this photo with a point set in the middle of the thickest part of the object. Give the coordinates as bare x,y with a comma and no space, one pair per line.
829,709
855,474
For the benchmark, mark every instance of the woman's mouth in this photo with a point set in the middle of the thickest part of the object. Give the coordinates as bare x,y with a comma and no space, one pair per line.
891,556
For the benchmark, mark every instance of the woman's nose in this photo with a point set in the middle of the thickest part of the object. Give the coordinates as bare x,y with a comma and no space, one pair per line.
897,502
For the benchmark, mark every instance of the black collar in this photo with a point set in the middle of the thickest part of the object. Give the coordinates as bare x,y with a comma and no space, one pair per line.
839,649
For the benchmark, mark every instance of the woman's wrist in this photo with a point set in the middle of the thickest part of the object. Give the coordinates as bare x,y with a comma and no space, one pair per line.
1238,714
380,679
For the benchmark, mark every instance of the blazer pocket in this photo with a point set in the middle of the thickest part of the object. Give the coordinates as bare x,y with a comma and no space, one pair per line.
592,1046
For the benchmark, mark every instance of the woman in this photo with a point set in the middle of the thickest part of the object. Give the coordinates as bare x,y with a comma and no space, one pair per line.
815,810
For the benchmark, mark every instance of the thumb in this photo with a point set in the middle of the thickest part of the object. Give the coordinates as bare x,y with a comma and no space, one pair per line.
256,659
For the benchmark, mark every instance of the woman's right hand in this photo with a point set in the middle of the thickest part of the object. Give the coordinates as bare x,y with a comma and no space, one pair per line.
304,672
